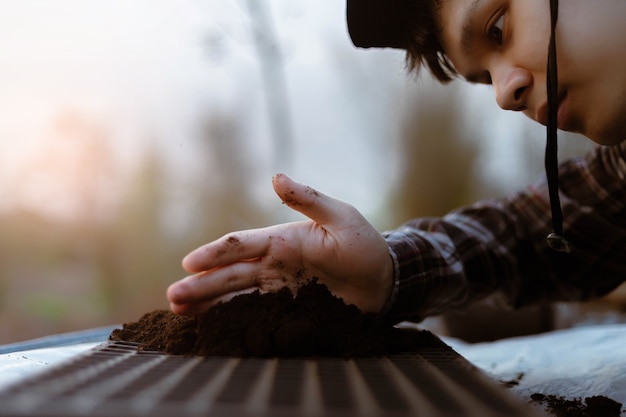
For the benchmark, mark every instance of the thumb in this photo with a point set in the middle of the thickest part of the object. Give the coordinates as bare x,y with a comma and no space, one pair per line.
306,200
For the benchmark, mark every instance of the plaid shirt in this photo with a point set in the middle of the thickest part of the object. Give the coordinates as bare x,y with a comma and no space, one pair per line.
500,246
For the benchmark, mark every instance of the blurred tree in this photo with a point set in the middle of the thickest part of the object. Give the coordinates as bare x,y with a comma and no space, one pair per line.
437,157
58,198
110,263
134,257
272,71
220,194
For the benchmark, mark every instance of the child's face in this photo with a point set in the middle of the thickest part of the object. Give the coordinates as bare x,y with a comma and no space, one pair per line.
505,42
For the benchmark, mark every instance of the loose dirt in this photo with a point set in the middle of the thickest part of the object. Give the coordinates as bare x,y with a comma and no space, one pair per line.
312,323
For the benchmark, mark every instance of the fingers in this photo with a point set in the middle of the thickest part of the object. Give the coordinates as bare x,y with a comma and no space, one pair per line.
251,244
231,248
270,258
212,284
209,287
315,205
201,307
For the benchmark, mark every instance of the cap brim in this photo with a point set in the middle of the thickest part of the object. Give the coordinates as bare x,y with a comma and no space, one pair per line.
380,23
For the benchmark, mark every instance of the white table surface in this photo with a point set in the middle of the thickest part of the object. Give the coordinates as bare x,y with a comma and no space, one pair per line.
572,363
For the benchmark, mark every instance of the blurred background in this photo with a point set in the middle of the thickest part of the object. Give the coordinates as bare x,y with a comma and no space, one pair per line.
132,132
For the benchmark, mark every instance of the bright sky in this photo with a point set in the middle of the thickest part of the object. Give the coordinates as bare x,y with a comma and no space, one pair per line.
115,63
150,68
93,54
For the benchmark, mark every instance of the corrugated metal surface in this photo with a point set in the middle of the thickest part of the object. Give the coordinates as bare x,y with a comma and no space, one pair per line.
117,379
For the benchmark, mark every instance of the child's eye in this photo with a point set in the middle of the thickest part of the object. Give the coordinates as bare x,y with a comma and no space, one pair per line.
496,30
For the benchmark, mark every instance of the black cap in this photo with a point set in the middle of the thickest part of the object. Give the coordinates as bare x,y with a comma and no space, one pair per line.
381,23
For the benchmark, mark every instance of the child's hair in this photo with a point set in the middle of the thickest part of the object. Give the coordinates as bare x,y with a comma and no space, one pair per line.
423,46
404,24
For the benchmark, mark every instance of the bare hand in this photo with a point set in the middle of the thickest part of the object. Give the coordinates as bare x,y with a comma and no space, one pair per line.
337,245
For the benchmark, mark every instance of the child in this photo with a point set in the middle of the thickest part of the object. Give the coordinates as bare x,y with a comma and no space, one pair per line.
431,265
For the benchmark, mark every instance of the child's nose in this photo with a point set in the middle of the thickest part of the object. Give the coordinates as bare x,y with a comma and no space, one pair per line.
511,86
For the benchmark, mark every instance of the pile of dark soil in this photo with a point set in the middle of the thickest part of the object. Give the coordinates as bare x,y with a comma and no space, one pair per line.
597,406
313,323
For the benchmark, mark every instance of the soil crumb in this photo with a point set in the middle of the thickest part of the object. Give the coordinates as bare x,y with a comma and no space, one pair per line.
513,382
597,406
312,323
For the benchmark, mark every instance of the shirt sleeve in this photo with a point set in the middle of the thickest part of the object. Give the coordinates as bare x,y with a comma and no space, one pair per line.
499,246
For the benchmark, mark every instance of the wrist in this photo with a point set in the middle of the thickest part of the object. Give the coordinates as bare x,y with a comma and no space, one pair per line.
391,280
